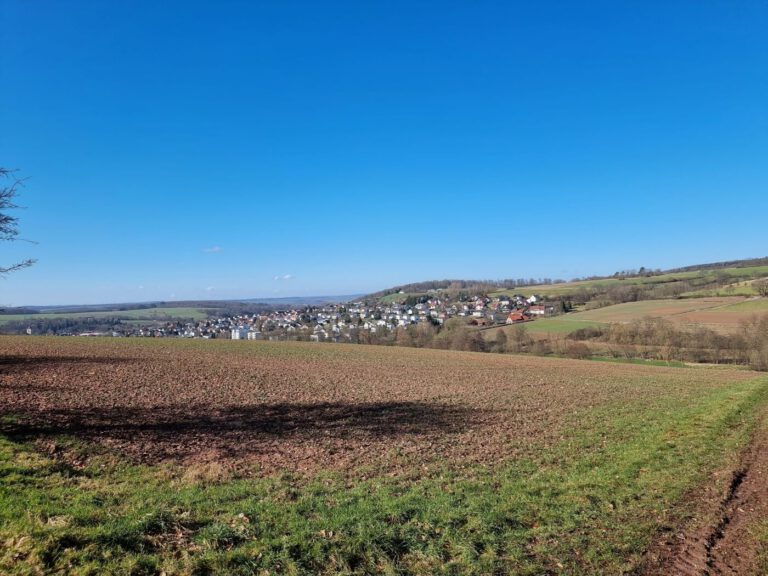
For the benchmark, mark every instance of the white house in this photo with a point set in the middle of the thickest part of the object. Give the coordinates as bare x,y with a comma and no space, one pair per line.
239,333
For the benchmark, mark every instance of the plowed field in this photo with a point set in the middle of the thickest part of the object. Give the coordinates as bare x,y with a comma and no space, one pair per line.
122,456
305,407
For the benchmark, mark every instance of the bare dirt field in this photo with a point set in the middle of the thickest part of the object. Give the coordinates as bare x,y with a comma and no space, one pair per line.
306,407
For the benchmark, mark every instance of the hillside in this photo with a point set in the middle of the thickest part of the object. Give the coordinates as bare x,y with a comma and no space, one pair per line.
734,278
731,281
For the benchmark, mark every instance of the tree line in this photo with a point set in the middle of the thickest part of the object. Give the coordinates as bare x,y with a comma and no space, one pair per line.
647,339
657,338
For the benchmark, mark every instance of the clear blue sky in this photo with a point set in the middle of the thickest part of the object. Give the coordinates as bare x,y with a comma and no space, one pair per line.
241,149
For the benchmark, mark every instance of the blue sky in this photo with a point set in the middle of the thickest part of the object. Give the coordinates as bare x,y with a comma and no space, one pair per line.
242,149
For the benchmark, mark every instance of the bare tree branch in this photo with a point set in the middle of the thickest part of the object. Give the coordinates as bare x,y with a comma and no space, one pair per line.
9,229
18,266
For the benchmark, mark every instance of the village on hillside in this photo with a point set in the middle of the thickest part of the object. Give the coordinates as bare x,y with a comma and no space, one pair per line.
358,321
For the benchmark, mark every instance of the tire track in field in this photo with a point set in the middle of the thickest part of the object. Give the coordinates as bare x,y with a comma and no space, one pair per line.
723,546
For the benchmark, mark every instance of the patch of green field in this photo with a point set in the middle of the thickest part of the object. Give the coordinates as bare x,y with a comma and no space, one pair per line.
731,290
559,325
587,504
393,298
756,305
640,361
629,311
143,314
695,277
740,288
567,288
398,298
754,271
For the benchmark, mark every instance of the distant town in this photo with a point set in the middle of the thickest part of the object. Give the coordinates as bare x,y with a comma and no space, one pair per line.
358,322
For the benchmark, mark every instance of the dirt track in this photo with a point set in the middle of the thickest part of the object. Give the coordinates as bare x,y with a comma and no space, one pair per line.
718,543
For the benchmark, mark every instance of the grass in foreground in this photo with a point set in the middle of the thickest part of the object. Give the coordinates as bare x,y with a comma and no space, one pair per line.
588,503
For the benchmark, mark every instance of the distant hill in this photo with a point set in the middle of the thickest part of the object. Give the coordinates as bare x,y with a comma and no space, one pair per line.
184,304
469,286
303,300
717,278
719,265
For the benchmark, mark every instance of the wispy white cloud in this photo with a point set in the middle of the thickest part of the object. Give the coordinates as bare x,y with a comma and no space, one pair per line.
284,277
213,249
210,289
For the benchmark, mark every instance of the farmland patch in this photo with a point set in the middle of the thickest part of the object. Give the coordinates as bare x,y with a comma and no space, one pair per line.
143,456
269,407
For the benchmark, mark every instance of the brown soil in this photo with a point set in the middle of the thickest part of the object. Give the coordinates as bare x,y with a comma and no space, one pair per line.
719,320
261,408
718,542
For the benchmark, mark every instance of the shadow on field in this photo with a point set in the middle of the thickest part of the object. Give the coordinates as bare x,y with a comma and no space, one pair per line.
154,434
10,364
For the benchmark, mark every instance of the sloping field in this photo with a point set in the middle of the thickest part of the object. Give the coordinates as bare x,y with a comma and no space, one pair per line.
566,288
654,308
683,311
144,456
724,321
738,274
724,318
557,325
757,305
542,327
745,288
719,313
